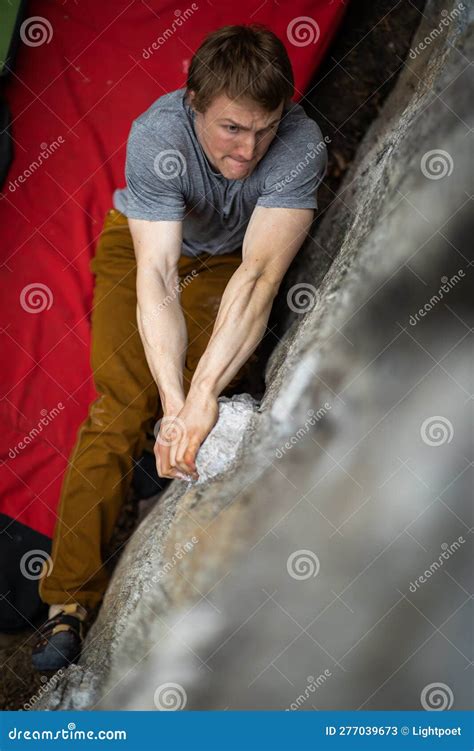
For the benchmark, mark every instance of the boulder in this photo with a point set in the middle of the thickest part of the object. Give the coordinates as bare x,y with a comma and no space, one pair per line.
321,561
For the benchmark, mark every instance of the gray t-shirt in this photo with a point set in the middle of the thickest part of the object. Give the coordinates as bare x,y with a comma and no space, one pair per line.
169,176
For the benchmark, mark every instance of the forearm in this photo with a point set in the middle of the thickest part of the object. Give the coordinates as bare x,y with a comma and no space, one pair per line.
163,332
240,325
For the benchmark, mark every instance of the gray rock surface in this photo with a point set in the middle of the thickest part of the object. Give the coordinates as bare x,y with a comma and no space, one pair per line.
289,576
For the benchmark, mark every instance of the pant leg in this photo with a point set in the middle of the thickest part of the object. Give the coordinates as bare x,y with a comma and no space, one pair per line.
100,469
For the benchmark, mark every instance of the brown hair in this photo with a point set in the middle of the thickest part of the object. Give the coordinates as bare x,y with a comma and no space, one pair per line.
243,62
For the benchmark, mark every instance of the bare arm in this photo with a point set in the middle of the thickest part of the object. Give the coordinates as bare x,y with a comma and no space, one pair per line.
159,315
272,240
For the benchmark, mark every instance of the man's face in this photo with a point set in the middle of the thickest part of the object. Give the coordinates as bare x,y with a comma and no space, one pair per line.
236,135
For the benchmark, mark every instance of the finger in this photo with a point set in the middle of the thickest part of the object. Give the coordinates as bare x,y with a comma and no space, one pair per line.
179,458
157,459
177,451
189,468
191,452
167,470
172,474
163,451
160,469
171,438
172,453
185,453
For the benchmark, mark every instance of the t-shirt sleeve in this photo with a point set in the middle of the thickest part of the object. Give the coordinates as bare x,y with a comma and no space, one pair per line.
298,164
153,172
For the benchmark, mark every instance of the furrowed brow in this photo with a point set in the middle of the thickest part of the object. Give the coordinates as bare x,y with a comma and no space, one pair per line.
238,125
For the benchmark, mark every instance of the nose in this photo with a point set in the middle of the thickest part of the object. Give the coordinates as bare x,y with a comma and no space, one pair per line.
246,147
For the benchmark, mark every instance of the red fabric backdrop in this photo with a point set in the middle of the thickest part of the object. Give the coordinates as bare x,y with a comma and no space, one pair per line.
72,98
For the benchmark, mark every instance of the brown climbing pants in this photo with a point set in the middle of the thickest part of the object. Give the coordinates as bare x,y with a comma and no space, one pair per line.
114,433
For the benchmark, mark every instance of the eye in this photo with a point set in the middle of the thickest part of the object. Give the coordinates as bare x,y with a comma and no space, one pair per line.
232,126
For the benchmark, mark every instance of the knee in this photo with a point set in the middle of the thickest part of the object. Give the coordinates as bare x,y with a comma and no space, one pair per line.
101,409
108,410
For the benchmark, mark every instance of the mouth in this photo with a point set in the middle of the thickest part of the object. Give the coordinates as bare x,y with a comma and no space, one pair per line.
239,161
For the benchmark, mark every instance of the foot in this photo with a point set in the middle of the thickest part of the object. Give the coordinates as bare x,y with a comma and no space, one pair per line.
59,639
